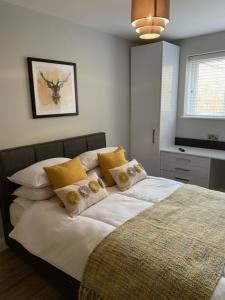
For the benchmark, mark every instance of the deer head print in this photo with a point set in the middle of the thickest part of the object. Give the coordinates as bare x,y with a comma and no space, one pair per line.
55,87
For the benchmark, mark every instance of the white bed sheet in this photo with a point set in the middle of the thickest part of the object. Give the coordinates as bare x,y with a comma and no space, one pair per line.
20,205
67,242
153,190
17,209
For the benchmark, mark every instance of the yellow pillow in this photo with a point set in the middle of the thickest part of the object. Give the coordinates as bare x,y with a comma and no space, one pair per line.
109,161
66,173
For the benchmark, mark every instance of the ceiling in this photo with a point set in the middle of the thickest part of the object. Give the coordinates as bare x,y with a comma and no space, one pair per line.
188,17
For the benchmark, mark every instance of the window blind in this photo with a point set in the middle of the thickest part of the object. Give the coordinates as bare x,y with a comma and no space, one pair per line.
205,86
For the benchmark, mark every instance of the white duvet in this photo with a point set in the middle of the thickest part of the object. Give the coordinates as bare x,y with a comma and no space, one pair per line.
47,231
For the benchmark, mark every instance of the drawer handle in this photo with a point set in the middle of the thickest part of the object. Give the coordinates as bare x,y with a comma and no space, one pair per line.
183,159
182,179
181,169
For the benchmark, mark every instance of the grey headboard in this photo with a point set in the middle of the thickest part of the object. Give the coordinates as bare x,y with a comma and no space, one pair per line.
15,159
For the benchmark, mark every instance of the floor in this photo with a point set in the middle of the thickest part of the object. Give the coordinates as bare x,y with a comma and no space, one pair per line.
18,281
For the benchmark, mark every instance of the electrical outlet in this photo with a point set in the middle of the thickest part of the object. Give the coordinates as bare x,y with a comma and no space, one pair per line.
213,137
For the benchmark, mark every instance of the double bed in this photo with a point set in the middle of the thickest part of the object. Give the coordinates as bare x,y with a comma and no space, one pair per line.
57,245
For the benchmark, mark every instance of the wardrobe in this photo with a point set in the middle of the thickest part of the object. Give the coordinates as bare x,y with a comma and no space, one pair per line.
154,85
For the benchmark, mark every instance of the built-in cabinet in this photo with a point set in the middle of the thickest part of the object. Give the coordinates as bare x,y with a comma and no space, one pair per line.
203,167
186,168
154,85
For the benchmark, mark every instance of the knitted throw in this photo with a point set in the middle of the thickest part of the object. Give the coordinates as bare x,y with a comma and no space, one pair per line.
173,250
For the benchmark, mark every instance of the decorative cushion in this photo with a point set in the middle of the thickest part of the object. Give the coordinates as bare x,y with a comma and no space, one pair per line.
34,176
127,175
109,161
89,159
79,196
66,173
34,194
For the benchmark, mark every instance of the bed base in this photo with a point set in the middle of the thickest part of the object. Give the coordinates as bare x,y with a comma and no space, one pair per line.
65,284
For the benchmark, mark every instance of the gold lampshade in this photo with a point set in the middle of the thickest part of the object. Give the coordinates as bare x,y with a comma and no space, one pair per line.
150,22
149,17
149,32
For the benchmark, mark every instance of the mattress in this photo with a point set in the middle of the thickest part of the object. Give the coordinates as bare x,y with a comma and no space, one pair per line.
17,209
67,242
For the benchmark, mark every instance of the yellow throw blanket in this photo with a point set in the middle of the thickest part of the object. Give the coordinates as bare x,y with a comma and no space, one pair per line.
173,250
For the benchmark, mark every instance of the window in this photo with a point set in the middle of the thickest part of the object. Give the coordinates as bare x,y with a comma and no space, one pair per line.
205,86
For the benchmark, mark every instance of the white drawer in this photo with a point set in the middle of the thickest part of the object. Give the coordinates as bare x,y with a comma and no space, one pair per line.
184,160
186,170
204,182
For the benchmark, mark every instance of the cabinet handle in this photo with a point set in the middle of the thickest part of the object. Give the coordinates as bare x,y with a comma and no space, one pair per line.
153,136
183,159
182,179
181,169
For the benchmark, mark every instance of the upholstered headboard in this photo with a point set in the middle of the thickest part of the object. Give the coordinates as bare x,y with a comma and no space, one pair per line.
15,159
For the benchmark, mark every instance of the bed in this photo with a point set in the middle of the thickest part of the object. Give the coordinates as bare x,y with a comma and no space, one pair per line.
49,251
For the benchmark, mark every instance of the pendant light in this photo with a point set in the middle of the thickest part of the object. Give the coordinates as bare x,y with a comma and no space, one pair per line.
149,17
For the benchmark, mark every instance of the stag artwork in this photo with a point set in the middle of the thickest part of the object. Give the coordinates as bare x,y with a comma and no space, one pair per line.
55,87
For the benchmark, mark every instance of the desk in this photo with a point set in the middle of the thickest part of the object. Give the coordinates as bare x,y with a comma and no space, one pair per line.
204,167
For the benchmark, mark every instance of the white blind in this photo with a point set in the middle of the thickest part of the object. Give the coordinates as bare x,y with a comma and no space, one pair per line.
205,87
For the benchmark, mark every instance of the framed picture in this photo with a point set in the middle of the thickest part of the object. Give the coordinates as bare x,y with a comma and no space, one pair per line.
53,88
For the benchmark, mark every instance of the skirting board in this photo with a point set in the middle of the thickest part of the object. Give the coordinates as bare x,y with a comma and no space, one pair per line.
3,245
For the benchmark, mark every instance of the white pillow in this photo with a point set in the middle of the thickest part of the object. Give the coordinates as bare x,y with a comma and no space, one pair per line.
34,176
79,196
128,174
96,170
89,159
34,194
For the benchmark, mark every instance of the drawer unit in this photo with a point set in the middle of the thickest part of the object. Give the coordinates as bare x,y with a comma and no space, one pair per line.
185,168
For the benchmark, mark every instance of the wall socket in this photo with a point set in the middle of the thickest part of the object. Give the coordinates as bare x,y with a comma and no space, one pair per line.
213,137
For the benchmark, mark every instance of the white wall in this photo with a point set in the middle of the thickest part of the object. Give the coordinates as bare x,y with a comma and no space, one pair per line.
103,78
102,69
197,128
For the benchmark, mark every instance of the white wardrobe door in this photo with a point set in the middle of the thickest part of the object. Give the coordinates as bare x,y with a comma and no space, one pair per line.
170,70
146,67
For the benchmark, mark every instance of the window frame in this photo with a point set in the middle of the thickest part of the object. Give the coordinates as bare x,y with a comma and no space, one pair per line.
188,84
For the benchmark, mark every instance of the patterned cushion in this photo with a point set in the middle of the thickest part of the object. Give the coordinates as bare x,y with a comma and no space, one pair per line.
79,196
128,174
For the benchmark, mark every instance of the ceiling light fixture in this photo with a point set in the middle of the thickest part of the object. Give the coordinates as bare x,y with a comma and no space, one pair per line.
150,17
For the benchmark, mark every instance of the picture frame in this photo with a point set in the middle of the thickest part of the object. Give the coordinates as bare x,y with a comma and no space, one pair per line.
53,88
